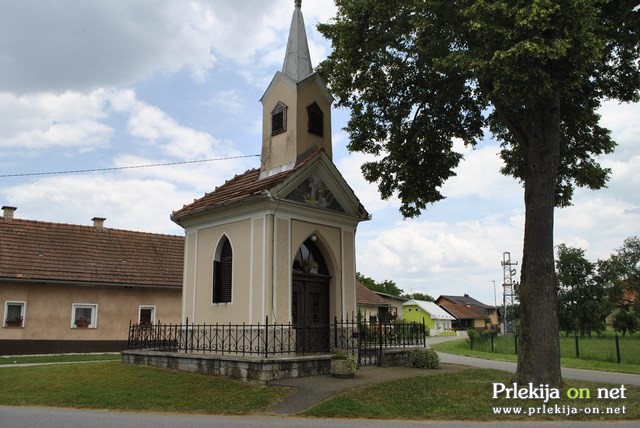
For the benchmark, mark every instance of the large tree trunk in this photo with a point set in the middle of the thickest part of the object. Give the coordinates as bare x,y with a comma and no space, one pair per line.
538,344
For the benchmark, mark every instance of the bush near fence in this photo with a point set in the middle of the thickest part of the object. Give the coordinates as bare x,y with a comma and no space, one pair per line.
602,348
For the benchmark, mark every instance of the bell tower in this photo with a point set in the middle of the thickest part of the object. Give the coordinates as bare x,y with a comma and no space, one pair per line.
296,107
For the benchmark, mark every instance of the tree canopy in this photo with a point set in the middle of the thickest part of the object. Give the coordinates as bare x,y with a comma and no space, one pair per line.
417,74
386,286
583,296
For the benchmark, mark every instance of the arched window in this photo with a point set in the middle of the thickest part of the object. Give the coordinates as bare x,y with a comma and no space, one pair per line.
222,272
309,259
315,120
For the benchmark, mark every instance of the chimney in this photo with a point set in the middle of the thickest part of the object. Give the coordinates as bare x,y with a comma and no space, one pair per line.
98,222
8,212
466,294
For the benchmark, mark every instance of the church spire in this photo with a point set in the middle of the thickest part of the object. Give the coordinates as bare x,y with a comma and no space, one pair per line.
297,61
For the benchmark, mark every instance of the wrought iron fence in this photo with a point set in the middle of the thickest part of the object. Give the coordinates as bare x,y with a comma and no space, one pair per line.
350,335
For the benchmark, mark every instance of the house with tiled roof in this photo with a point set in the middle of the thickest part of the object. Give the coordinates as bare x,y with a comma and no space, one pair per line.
469,312
277,243
73,288
371,306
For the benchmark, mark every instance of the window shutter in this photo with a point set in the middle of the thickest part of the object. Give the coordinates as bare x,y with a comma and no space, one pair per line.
227,272
279,119
223,274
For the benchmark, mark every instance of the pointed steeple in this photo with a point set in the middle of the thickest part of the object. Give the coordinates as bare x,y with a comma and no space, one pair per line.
297,61
296,107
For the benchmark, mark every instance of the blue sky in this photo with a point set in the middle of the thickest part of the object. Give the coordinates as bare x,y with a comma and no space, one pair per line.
90,84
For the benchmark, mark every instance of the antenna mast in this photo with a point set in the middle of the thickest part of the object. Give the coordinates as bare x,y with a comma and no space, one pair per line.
509,288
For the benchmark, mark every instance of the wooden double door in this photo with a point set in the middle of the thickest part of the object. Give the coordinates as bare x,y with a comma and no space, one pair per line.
310,312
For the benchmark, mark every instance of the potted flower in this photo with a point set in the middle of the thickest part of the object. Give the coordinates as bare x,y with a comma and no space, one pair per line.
343,365
82,322
15,322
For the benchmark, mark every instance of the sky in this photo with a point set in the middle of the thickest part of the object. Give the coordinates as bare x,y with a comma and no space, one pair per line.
93,84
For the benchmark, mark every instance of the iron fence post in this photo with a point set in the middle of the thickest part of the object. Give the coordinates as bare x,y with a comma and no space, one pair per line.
617,349
424,333
577,347
266,336
129,336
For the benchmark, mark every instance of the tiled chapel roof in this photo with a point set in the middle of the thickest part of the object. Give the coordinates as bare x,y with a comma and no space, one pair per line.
41,251
240,188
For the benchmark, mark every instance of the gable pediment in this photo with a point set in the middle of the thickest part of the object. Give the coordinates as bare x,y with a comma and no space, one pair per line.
320,185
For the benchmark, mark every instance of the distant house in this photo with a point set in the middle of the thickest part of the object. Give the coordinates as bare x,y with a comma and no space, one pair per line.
372,307
437,320
71,288
469,312
395,302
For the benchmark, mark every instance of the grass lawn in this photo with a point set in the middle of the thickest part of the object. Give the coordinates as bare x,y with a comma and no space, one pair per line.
463,395
467,395
461,347
117,386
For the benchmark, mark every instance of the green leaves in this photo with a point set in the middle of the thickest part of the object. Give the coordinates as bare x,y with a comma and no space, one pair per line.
417,74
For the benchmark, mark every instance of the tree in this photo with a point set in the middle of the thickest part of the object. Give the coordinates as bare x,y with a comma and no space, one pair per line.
417,74
420,296
627,265
625,321
582,295
387,286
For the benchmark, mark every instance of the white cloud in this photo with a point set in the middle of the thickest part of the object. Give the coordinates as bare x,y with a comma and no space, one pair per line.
69,120
128,204
81,45
61,45
439,257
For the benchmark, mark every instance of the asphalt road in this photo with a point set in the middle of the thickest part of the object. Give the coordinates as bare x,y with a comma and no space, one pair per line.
30,417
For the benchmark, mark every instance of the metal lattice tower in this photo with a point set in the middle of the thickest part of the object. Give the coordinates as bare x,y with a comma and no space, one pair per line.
508,289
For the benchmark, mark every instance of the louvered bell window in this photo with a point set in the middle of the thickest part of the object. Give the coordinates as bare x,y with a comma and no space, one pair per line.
222,273
315,119
279,119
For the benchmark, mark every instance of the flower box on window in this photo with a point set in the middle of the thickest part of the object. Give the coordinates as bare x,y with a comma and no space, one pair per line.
82,323
14,322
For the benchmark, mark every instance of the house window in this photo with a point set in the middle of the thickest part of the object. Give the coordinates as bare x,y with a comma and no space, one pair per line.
14,314
84,315
222,272
279,119
315,120
146,315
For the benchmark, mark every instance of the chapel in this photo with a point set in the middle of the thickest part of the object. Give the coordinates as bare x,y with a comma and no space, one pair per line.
277,243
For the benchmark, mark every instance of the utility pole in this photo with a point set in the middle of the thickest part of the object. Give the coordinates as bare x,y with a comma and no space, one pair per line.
508,291
495,305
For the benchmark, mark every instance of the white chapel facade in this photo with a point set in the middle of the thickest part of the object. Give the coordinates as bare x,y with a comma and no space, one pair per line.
277,242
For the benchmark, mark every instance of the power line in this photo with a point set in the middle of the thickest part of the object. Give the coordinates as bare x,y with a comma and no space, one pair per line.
81,171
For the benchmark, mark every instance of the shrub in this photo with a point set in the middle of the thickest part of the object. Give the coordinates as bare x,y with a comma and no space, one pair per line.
424,358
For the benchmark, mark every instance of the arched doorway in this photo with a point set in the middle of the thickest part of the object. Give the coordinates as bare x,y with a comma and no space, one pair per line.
310,298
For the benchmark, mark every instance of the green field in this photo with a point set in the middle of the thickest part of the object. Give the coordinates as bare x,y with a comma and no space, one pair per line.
595,348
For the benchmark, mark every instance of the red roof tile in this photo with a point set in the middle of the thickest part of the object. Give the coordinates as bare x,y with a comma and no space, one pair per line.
71,253
240,188
366,297
464,311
